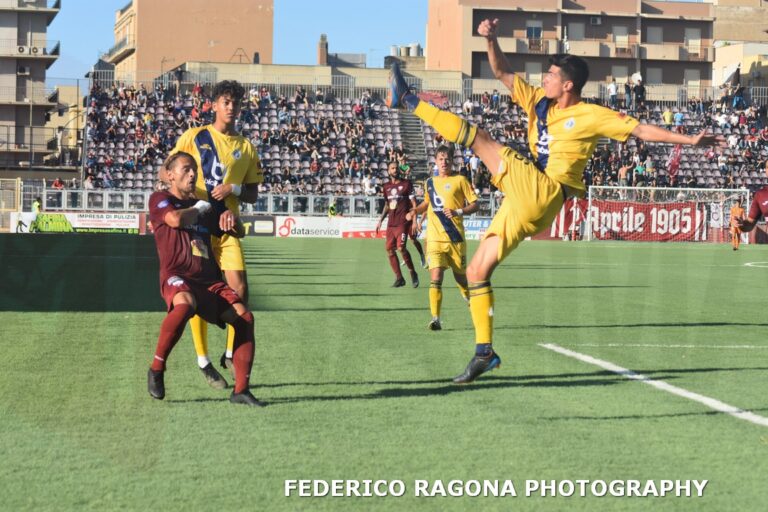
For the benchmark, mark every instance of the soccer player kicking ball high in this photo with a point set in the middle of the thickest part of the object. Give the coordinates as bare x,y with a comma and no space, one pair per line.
447,199
399,200
190,280
562,134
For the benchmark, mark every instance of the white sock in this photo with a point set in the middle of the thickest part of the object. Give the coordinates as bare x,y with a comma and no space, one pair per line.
203,361
229,354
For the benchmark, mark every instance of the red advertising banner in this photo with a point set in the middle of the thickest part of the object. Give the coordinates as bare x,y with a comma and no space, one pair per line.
667,222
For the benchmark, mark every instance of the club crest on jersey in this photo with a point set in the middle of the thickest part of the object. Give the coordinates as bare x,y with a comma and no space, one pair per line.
163,203
175,281
569,124
205,146
447,186
237,154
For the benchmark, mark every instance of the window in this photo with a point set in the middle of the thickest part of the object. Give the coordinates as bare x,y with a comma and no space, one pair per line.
653,76
620,73
533,72
655,35
575,31
533,29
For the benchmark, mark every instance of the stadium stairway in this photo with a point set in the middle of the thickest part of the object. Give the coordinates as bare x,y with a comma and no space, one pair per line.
413,143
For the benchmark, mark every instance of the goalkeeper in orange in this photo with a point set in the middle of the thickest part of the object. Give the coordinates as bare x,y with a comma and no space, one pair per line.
737,214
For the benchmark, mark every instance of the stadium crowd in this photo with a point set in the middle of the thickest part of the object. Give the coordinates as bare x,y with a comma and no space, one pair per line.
741,165
313,143
308,143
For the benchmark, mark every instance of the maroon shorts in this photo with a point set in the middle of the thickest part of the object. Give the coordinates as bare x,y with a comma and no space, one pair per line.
212,301
397,236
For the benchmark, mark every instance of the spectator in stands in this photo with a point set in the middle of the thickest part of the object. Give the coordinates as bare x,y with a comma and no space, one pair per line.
467,107
639,92
319,97
613,91
628,95
495,100
679,125
57,184
668,118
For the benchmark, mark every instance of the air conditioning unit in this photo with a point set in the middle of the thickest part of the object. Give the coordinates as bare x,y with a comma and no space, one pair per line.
23,71
36,50
595,20
23,50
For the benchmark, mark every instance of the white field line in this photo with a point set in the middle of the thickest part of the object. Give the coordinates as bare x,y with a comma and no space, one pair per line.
651,345
712,403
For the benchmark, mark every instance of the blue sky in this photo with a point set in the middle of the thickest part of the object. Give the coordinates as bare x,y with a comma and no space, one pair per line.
84,28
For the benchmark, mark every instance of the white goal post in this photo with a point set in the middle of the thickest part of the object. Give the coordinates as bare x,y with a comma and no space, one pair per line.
646,214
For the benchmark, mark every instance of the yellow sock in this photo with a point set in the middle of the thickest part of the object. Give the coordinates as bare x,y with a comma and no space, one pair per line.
481,306
449,125
199,328
230,340
435,297
464,291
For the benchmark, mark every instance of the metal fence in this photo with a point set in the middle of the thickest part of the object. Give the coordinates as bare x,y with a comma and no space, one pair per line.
268,204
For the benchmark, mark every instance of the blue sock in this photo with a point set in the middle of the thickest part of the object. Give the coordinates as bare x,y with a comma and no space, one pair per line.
411,101
483,349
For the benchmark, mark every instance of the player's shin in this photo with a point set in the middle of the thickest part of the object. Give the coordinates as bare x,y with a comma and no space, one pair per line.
199,329
450,126
435,298
243,350
395,264
481,307
170,332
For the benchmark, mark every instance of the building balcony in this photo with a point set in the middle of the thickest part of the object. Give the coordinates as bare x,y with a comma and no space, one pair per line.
677,52
600,48
25,50
29,96
529,46
120,51
50,7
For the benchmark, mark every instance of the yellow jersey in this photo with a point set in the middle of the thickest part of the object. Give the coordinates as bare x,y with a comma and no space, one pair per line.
737,212
221,159
563,140
449,192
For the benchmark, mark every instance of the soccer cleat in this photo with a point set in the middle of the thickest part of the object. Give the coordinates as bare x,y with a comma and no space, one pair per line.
156,384
415,280
246,398
478,366
396,88
213,377
423,261
400,281
434,324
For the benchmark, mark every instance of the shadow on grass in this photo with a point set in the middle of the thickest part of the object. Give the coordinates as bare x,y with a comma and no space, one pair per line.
648,324
642,416
574,287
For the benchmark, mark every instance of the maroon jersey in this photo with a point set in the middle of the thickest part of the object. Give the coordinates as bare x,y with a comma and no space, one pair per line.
184,252
759,206
398,196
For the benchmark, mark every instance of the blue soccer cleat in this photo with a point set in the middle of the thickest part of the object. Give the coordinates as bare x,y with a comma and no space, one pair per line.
396,88
478,366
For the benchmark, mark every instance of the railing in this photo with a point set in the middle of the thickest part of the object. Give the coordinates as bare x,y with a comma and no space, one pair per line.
30,4
124,44
679,52
267,204
24,48
33,94
600,48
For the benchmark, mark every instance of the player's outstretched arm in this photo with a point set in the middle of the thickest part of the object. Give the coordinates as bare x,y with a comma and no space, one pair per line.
499,63
650,133
186,216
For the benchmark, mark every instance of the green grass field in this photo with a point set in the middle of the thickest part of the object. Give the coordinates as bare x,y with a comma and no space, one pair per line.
359,388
